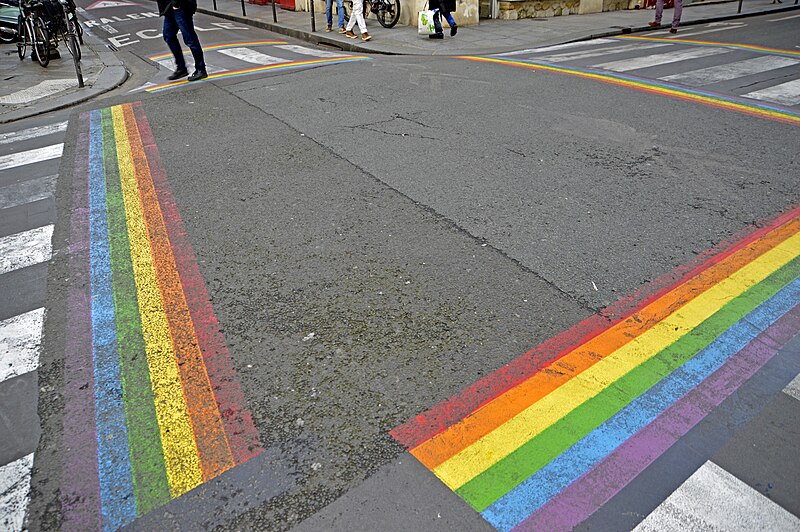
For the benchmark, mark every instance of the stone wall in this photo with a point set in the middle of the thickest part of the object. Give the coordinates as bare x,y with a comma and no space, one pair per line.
466,11
538,8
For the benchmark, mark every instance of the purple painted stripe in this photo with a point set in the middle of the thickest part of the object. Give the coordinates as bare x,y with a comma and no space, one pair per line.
584,496
80,486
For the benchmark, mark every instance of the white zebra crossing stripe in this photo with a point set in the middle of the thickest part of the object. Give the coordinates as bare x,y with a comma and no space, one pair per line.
27,191
32,132
20,339
793,388
659,59
40,90
785,94
169,64
605,50
302,50
713,499
23,158
15,487
25,249
553,48
715,74
251,56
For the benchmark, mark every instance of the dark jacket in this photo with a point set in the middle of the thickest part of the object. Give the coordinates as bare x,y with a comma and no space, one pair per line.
444,5
188,6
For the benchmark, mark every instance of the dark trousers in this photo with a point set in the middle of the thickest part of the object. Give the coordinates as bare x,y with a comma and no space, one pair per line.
437,21
177,19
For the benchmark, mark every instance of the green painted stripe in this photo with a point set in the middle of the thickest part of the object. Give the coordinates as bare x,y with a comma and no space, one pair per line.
147,460
506,474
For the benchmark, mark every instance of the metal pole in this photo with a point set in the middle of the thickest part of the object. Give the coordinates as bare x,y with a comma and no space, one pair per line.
313,22
244,13
740,7
274,14
215,5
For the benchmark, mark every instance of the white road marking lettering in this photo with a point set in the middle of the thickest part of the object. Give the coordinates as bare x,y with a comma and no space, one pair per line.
785,94
715,74
15,489
36,155
713,499
27,191
251,56
32,132
28,248
659,59
20,342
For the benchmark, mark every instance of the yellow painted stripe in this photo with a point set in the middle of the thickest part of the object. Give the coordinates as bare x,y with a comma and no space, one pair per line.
177,439
786,116
508,437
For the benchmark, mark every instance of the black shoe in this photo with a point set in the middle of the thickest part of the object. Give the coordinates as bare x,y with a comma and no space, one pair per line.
198,74
436,36
178,74
453,30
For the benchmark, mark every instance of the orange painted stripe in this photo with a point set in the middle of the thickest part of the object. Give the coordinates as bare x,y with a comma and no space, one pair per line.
212,445
484,420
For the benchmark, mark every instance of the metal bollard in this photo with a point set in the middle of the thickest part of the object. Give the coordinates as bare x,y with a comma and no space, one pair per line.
274,14
313,22
244,13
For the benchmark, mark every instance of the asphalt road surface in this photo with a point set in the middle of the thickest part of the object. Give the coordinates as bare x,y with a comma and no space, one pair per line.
258,282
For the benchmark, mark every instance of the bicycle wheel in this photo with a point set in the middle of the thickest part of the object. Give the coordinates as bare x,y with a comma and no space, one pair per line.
78,29
22,45
71,39
41,42
389,13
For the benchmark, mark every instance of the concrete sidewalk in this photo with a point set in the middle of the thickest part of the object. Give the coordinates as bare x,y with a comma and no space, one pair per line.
30,90
488,37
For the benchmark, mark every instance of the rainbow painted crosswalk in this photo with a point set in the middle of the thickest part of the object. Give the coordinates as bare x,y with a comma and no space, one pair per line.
545,441
153,407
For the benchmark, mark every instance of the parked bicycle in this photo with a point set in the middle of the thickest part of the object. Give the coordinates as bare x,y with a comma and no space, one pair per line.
65,26
33,31
387,11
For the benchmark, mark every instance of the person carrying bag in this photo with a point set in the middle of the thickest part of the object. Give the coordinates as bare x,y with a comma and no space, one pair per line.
443,8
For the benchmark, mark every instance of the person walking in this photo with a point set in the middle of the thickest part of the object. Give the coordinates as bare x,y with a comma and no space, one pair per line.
445,7
676,16
329,14
178,16
357,16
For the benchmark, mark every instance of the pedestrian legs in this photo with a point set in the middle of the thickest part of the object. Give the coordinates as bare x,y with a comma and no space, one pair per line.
186,25
357,16
170,32
339,11
676,16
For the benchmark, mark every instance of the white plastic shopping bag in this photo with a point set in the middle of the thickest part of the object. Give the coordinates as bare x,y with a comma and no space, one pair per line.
425,22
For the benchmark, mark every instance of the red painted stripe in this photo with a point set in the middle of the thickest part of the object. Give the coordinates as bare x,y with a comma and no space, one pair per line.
437,419
242,434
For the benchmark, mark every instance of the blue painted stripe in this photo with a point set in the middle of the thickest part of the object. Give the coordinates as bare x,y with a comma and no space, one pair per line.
579,459
118,505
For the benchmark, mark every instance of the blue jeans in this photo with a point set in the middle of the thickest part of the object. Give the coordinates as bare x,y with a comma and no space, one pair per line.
339,10
177,19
